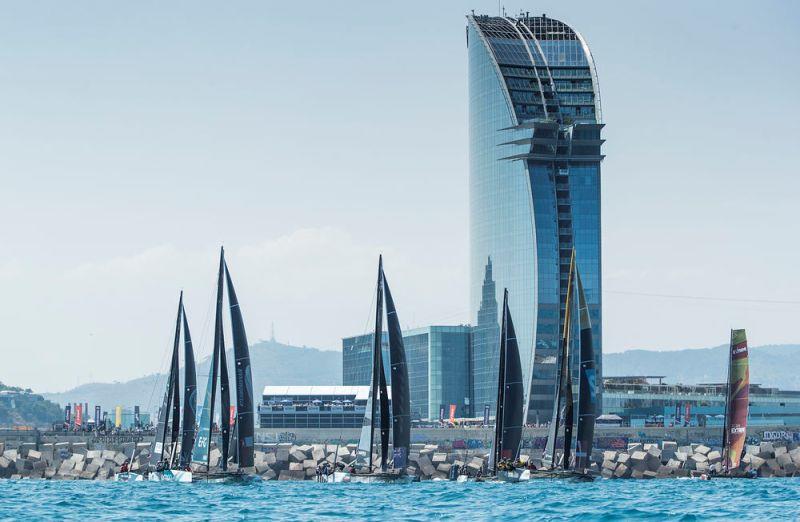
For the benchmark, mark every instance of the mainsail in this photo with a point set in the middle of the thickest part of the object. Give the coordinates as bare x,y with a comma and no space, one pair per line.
157,449
510,393
401,397
377,388
245,422
202,450
738,399
189,396
225,404
587,386
563,383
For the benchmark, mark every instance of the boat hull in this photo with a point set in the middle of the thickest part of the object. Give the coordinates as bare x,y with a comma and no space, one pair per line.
226,477
128,477
369,478
560,474
170,475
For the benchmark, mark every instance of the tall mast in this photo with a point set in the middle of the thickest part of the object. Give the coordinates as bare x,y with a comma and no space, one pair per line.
727,407
189,397
501,386
215,357
160,439
377,356
563,376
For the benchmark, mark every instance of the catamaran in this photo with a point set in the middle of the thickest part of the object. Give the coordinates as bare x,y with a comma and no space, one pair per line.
174,467
364,469
587,398
242,466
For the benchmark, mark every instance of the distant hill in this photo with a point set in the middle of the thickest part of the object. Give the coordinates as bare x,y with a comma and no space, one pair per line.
20,407
273,363
775,366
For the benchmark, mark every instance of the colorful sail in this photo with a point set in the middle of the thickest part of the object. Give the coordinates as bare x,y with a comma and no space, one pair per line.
738,399
587,393
401,396
189,396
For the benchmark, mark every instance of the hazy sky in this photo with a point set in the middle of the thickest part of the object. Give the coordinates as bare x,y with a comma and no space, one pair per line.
136,137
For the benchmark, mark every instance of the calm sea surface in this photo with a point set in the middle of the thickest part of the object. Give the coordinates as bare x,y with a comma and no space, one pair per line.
760,499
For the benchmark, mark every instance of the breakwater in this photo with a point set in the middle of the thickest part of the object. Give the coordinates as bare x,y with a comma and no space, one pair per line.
286,461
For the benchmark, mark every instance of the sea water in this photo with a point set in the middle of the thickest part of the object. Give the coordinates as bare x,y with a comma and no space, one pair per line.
672,499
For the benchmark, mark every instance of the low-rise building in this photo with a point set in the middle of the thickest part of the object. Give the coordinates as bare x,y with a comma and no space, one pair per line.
647,400
284,407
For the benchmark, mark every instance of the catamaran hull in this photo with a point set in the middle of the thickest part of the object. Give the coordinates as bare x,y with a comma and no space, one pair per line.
128,477
226,477
372,478
560,475
170,475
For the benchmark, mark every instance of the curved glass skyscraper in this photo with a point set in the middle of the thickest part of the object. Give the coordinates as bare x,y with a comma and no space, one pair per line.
534,140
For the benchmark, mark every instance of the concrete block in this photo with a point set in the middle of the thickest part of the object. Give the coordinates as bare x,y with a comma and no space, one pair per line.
649,474
766,450
623,458
119,458
674,463
310,472
94,454
282,455
269,474
606,473
773,464
699,457
783,459
310,464
621,471
702,449
292,475
318,453
635,446
297,456
437,458
681,456
688,450
636,474
426,466
79,447
296,466
609,464
668,445
34,455
752,449
714,456
108,454
610,455
756,462
780,450
701,466
444,467
269,459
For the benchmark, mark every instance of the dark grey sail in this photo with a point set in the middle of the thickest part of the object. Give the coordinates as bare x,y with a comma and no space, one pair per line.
510,395
563,392
157,449
189,396
401,396
587,394
245,408
219,347
225,405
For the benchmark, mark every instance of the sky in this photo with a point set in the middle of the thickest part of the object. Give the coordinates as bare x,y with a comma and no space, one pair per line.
138,137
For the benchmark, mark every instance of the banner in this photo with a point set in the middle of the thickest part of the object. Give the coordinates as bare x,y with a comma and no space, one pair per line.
96,417
136,419
688,416
67,415
486,415
677,414
78,415
441,413
118,417
232,419
452,413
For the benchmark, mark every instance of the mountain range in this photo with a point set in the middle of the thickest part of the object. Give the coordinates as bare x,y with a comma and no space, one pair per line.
773,366
273,363
279,364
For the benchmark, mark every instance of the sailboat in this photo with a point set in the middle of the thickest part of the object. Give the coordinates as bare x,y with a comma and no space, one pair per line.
171,464
364,469
587,398
737,401
510,405
244,419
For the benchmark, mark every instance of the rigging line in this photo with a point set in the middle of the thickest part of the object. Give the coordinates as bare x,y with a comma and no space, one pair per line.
704,298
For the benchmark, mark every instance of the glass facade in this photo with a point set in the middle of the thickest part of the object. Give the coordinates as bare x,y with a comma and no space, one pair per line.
439,364
534,138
